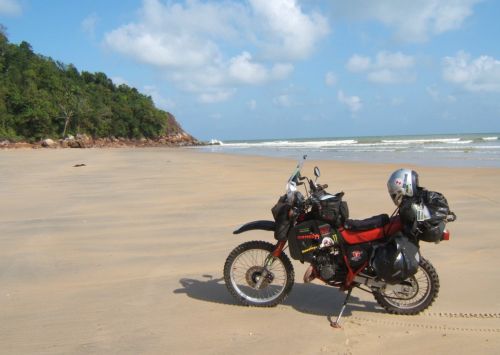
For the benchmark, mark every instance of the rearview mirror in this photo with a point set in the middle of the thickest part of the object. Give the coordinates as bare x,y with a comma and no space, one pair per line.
317,173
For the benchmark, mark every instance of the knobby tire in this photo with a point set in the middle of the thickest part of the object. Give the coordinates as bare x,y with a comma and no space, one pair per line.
268,247
428,269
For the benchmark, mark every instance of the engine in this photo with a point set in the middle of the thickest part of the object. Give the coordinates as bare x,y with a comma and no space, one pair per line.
325,265
328,264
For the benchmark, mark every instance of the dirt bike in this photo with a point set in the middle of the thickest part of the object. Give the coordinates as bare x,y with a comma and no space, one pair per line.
372,254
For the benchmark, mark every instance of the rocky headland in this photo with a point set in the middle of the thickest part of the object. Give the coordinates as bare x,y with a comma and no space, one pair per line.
178,139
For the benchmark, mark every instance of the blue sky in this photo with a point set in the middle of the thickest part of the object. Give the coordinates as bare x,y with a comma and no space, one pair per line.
285,68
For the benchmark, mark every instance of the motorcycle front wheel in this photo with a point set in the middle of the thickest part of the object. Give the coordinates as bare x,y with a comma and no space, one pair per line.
413,295
256,278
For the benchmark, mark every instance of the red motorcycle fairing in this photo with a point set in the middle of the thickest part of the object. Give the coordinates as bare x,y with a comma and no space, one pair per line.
357,237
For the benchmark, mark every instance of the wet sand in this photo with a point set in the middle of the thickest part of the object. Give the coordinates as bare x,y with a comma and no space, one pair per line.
125,255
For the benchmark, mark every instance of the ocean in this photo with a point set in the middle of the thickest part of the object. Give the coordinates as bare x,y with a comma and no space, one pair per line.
451,150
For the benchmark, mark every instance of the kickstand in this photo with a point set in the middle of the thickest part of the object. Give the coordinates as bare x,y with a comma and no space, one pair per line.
336,324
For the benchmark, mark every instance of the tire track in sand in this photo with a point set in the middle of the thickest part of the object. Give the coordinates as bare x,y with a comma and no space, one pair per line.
459,321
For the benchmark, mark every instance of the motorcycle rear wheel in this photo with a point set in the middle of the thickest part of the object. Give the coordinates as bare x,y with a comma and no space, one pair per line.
413,295
245,266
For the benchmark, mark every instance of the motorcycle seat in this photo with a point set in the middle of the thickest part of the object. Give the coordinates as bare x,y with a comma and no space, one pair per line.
366,224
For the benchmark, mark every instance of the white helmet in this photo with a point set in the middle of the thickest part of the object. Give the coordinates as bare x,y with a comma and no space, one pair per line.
402,182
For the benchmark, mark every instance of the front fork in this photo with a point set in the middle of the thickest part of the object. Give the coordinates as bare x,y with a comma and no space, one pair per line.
269,262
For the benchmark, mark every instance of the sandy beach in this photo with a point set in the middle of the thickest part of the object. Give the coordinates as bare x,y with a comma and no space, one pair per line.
125,254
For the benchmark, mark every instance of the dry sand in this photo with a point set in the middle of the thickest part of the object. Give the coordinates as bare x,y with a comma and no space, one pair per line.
125,255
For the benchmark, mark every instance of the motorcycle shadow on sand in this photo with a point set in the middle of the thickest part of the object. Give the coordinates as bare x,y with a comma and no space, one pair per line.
309,298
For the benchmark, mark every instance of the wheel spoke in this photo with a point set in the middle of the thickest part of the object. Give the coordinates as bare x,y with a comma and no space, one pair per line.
246,270
410,296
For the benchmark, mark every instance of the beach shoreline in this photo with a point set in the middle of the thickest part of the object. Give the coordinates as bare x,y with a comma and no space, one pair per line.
458,150
125,253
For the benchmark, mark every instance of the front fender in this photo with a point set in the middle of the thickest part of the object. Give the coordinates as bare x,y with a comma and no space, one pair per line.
262,225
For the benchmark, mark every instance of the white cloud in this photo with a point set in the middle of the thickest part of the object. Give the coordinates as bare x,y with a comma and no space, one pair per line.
480,74
330,78
358,63
438,97
89,24
194,81
244,70
413,21
385,68
160,48
388,76
216,96
188,41
181,41
396,60
283,101
290,33
10,7
353,102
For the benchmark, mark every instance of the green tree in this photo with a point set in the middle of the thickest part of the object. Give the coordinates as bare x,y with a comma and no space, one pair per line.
40,98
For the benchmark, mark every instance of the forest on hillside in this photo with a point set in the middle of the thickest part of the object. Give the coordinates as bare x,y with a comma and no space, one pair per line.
42,98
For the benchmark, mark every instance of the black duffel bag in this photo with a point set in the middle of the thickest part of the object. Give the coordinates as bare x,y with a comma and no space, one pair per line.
280,213
396,260
425,215
332,209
